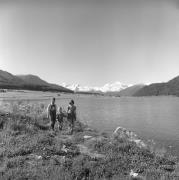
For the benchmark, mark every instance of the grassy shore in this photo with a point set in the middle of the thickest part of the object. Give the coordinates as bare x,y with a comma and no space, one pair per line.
30,150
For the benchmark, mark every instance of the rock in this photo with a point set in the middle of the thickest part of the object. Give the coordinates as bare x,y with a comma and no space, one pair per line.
64,149
133,174
34,156
139,143
122,133
96,155
87,137
33,159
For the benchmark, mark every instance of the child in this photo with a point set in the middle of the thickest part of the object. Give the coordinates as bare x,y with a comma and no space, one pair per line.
60,116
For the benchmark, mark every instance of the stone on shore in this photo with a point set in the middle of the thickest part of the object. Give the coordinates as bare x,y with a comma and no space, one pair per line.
124,134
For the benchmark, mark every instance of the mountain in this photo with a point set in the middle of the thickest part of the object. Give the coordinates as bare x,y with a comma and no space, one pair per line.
79,88
117,86
113,87
32,79
130,91
168,88
9,80
27,82
74,87
35,82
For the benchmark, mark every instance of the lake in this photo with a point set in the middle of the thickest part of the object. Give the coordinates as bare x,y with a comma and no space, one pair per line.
154,118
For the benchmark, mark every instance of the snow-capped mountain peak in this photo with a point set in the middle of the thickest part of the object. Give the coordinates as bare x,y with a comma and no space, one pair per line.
116,86
109,87
73,87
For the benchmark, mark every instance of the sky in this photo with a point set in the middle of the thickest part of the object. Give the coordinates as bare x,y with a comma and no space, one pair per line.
91,42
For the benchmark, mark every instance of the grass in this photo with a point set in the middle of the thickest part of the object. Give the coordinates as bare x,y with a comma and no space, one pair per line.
29,150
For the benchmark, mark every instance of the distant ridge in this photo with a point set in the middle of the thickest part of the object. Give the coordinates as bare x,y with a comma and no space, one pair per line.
32,79
7,79
130,91
157,89
28,82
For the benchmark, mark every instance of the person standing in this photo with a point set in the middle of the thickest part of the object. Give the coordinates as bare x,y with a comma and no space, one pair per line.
71,115
51,113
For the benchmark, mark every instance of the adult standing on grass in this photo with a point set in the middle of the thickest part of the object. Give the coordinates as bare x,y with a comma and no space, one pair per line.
71,115
51,113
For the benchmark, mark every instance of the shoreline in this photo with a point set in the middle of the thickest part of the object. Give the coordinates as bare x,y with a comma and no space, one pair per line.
27,144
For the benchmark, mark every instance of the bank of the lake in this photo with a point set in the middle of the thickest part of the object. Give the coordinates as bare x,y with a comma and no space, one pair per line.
30,150
152,118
